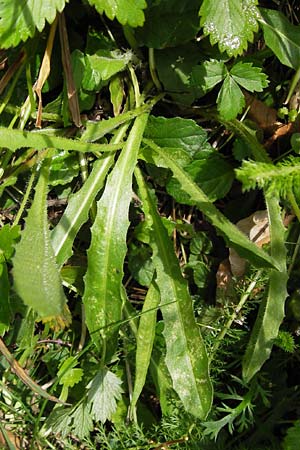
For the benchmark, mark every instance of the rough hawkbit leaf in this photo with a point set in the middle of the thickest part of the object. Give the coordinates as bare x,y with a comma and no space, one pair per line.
282,37
186,356
15,139
144,341
20,18
64,167
233,236
103,279
180,23
271,310
5,310
230,23
76,213
103,392
249,77
230,99
127,12
36,277
208,74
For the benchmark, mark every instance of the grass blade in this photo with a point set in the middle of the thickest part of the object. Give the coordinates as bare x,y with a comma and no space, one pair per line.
103,280
186,356
271,310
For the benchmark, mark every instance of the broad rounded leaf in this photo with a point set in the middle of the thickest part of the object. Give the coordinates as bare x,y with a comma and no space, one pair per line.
20,18
230,23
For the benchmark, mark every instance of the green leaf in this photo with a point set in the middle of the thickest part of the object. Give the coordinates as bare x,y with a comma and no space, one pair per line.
5,310
281,36
291,440
233,236
103,392
103,279
180,23
249,77
64,167
230,99
103,65
144,341
68,375
20,18
15,139
127,12
174,67
36,276
76,213
208,74
186,356
271,310
211,173
177,133
230,24
82,421
8,238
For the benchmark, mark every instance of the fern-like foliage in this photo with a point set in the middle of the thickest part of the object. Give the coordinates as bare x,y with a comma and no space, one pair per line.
282,178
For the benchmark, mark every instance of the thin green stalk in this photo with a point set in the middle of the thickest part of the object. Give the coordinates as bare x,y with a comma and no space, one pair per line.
11,88
235,314
152,69
294,204
25,198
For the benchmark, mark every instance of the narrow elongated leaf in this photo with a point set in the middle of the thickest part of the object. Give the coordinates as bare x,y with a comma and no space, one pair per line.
144,341
36,276
271,311
230,23
281,36
76,213
5,311
233,236
15,139
103,280
127,12
186,356
20,18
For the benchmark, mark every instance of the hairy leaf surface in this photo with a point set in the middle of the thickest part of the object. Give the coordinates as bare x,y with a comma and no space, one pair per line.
186,356
36,277
20,18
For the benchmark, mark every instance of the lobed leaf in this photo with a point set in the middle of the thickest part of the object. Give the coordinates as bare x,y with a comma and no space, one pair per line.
231,24
36,277
186,356
20,18
249,77
103,392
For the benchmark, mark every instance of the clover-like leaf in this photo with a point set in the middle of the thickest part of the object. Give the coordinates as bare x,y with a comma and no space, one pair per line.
127,12
249,77
230,23
20,18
